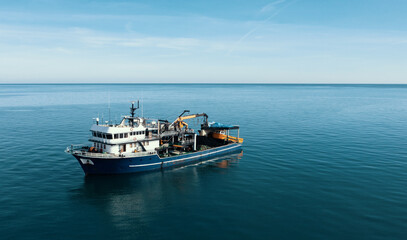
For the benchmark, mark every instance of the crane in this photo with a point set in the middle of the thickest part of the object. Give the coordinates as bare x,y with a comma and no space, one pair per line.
179,122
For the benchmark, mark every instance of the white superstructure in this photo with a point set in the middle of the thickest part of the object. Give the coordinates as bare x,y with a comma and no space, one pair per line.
132,135
138,135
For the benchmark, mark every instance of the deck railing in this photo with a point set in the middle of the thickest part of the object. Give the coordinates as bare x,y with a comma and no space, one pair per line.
83,150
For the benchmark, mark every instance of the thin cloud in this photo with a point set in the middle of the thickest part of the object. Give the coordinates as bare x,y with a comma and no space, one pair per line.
53,38
271,6
267,8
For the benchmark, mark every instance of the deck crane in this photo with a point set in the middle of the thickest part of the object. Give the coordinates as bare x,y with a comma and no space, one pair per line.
179,122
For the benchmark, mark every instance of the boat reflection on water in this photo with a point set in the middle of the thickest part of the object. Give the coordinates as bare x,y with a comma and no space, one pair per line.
133,200
129,183
226,162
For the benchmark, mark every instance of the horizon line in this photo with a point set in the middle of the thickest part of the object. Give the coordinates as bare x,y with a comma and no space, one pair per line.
199,83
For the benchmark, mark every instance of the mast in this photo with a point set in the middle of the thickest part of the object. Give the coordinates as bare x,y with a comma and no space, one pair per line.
109,109
132,110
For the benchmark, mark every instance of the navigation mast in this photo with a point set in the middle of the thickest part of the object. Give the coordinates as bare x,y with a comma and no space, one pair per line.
132,110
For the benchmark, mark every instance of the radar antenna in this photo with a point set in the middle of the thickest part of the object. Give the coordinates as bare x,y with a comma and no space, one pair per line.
133,108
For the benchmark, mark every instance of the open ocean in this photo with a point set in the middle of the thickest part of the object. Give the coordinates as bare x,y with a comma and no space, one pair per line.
319,162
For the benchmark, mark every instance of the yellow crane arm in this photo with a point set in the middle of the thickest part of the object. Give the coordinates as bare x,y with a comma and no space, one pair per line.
191,116
180,120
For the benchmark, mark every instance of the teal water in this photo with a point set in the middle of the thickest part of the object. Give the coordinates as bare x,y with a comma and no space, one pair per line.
319,162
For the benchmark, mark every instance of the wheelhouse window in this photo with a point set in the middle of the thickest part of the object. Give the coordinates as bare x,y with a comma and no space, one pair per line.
121,135
99,135
94,134
109,136
126,135
116,136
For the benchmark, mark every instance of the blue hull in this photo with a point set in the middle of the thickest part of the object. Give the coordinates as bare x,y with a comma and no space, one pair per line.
149,163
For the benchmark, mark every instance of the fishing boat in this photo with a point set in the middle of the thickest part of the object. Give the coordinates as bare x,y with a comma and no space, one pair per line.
139,144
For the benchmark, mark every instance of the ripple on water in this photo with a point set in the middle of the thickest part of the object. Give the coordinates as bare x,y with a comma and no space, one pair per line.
318,162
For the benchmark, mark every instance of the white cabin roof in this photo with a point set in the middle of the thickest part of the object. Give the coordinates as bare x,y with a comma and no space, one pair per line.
139,124
116,128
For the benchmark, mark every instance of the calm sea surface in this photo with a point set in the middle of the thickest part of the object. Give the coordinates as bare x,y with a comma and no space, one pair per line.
319,162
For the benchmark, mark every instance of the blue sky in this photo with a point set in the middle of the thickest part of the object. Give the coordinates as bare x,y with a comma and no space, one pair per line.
253,41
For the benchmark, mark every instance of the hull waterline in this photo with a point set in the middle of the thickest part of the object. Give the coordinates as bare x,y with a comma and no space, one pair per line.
120,165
